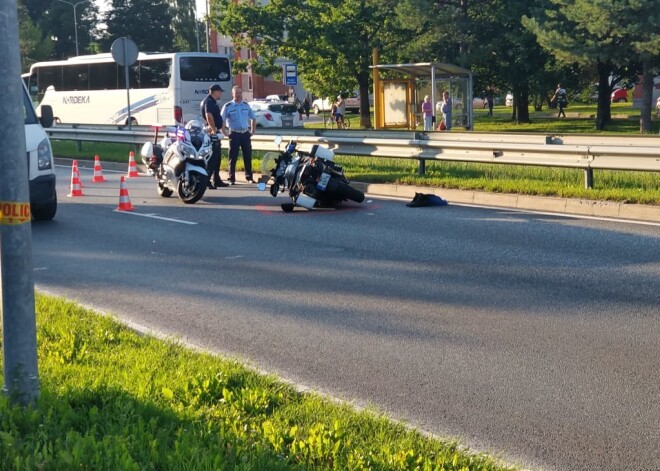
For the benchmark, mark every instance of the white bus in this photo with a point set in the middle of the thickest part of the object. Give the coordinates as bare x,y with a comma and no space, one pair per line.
165,88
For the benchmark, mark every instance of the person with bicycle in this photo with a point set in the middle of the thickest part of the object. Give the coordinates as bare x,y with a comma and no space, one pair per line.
341,111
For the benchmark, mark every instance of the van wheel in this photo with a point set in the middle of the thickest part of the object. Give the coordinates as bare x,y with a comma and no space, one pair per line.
57,121
45,212
133,122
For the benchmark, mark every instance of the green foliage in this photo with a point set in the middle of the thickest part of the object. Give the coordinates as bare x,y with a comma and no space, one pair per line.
147,22
132,402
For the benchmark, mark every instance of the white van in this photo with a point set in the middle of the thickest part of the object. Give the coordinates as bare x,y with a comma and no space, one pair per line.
43,199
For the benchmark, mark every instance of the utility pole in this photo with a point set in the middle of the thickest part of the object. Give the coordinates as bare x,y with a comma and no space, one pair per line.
75,19
19,338
208,34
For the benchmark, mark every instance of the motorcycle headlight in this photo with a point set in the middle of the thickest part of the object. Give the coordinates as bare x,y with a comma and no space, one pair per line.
44,155
185,152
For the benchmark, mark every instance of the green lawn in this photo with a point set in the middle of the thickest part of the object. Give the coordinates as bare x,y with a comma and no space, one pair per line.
632,187
112,399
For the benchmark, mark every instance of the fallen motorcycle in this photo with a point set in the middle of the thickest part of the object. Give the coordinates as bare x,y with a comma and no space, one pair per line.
178,161
311,179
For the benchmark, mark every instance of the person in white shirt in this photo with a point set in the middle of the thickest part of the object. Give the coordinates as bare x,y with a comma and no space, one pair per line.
239,123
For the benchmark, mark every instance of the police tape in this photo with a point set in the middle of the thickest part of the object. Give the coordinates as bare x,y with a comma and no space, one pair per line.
12,213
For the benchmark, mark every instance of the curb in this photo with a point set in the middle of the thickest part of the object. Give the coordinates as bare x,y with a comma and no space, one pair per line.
569,206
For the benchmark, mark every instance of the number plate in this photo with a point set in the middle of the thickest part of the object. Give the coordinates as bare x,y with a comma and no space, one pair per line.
323,181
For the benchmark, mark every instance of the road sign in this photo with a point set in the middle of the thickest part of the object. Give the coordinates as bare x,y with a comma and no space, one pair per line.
290,74
125,53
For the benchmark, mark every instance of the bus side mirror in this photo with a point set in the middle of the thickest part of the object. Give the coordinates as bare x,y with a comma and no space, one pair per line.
46,118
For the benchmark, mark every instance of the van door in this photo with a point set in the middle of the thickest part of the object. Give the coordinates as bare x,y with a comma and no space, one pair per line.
41,170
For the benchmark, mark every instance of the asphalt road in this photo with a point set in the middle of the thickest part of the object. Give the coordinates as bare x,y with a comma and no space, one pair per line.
534,336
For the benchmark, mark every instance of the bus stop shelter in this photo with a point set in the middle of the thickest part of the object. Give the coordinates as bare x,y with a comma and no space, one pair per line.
398,97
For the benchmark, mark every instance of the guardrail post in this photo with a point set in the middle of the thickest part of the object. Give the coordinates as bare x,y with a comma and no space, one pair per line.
588,178
422,167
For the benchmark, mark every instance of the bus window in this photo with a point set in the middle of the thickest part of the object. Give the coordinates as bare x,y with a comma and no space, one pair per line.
132,76
49,76
76,77
103,76
204,69
155,73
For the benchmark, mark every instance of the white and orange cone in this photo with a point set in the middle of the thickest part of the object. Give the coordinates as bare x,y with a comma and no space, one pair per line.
132,166
76,186
124,200
98,171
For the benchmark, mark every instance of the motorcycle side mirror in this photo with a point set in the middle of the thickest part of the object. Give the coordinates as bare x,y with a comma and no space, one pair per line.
278,140
261,186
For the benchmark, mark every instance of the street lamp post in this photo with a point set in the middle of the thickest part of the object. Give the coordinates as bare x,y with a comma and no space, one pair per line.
75,18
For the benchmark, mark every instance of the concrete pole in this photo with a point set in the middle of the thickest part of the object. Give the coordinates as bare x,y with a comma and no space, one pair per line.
19,339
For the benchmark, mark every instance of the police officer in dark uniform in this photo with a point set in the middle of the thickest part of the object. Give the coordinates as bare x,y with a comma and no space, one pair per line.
210,111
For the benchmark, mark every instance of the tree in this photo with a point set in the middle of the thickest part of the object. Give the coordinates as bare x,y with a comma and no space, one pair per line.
587,33
330,40
485,36
147,22
639,24
184,25
35,45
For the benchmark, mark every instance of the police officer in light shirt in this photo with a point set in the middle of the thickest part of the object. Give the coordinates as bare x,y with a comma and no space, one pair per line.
239,124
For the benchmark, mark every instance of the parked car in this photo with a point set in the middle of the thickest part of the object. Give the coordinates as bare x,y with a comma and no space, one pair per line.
351,99
275,114
619,95
508,101
277,98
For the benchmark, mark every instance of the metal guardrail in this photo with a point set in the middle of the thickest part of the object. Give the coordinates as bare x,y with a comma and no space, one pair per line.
640,153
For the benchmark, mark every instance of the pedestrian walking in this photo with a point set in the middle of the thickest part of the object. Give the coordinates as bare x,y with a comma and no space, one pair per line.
562,100
210,111
239,125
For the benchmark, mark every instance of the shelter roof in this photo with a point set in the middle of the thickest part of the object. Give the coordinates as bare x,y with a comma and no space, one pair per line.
423,69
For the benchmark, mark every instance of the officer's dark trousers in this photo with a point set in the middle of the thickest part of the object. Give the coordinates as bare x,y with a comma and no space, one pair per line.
214,164
240,141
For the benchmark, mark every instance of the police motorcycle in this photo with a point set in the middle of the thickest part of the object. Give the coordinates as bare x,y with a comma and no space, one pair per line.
178,161
311,179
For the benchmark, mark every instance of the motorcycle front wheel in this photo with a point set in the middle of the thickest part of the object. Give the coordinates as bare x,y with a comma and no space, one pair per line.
348,192
191,191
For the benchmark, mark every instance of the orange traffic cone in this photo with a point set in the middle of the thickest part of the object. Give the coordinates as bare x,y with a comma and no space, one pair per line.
132,166
124,200
98,171
76,187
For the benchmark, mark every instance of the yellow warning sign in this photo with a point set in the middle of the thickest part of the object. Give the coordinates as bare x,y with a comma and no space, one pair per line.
12,212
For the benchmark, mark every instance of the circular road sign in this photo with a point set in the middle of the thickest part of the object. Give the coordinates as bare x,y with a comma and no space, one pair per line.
124,51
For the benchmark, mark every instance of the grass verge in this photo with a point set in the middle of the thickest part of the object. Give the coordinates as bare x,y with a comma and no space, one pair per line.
112,399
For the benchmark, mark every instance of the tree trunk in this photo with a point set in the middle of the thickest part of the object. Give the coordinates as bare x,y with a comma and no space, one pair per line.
604,112
647,98
520,105
365,112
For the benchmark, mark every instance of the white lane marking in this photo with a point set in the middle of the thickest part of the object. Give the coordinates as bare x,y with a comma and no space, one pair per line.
564,215
153,216
531,211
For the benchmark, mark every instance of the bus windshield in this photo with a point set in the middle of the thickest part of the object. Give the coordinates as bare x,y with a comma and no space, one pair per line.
204,69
